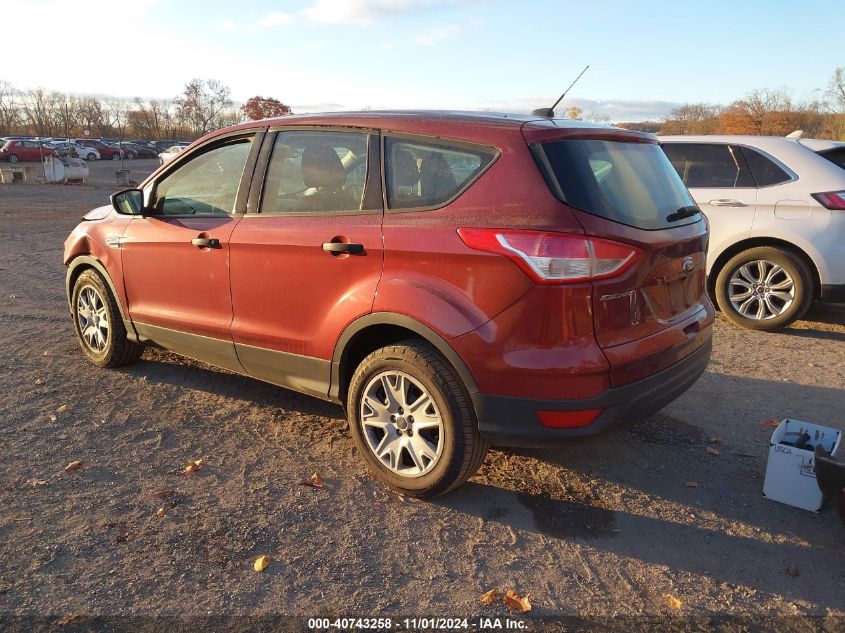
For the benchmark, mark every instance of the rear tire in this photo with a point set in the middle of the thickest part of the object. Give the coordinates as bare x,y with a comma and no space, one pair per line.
765,288
98,325
92,156
13,158
432,454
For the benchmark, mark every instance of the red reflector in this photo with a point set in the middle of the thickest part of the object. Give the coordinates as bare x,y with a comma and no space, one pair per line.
568,419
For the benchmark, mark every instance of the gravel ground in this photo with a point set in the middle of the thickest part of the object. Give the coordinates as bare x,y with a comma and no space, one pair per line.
597,528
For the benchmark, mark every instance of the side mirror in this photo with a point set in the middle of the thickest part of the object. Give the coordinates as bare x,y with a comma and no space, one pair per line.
128,202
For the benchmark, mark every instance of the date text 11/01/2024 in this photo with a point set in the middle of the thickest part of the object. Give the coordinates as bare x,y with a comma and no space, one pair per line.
416,624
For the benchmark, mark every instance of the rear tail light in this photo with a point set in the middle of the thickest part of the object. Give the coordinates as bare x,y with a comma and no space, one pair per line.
554,258
834,200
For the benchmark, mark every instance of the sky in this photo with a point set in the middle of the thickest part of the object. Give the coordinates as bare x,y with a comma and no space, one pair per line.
646,56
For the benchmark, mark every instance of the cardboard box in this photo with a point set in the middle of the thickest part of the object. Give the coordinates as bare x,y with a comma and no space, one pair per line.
791,471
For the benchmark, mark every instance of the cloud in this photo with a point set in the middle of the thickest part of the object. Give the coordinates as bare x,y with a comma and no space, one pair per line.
227,25
438,34
355,11
277,18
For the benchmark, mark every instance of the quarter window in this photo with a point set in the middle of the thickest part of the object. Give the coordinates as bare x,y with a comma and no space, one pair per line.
709,165
766,172
429,174
207,184
313,172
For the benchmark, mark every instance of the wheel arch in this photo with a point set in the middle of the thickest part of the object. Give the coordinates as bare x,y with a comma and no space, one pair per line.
755,242
370,332
79,265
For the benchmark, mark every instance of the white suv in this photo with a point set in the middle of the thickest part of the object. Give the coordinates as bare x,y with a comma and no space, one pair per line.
777,221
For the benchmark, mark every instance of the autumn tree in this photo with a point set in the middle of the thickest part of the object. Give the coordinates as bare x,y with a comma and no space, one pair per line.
574,112
264,108
761,112
203,104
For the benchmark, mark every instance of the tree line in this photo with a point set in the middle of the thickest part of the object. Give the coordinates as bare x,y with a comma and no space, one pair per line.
761,112
203,106
206,105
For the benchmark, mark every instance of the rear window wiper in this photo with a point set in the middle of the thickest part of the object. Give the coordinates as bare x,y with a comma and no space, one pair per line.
683,212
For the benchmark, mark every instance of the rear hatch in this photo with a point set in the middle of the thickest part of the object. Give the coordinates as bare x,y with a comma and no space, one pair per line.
622,188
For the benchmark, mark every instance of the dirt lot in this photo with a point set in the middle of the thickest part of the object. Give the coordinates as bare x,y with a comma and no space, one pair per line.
600,527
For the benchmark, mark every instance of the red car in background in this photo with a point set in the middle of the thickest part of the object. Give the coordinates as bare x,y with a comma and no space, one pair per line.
107,150
452,279
14,151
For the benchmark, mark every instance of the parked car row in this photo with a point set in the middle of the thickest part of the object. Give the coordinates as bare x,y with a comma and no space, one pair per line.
33,149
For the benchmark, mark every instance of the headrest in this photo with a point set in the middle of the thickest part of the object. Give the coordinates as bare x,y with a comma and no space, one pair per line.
405,172
321,167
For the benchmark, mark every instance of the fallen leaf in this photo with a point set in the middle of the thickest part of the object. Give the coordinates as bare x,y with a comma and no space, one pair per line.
315,482
38,381
515,602
161,513
53,418
770,424
74,466
62,409
37,482
193,466
261,563
161,494
46,354
490,597
712,451
793,571
673,602
690,484
70,617
715,439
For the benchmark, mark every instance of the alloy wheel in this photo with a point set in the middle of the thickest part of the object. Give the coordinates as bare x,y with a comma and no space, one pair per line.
761,290
401,423
93,319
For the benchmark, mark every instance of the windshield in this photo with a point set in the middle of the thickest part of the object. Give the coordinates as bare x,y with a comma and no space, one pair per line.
630,183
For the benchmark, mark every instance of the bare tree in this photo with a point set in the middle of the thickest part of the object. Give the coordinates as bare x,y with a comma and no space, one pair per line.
836,88
9,108
203,103
691,118
763,111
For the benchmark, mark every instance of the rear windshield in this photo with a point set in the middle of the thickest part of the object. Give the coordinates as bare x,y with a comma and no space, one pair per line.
630,183
835,156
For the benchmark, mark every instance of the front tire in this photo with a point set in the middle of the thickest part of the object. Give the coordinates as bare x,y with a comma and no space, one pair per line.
98,325
765,288
412,420
92,156
13,158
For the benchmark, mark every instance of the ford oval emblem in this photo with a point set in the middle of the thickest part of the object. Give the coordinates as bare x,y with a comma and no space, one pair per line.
689,265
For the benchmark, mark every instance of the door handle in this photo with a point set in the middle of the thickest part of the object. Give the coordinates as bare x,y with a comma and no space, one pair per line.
206,242
343,247
726,202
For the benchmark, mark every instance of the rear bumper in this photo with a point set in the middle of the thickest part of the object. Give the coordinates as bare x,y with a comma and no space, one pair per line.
510,421
833,293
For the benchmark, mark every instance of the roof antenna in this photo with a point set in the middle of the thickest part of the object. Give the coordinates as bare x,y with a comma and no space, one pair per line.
550,112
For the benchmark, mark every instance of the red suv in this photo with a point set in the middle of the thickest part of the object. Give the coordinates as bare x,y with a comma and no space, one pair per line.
107,151
453,279
14,151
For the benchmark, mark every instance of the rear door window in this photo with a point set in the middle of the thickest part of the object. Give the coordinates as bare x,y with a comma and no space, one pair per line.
709,165
430,173
765,171
835,156
630,183
316,172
